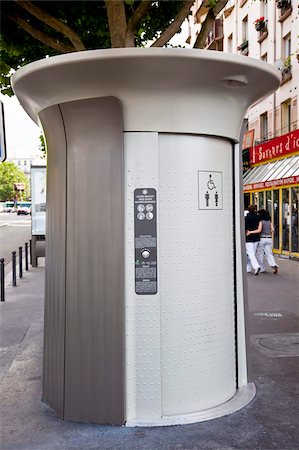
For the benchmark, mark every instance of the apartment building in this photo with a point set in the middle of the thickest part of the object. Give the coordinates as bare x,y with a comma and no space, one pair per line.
266,30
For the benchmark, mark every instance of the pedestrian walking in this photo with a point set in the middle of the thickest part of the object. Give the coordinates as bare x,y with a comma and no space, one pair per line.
252,227
265,246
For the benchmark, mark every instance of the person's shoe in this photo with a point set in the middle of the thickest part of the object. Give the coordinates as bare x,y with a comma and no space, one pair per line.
275,270
256,272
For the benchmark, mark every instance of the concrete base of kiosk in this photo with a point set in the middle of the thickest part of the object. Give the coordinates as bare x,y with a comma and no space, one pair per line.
145,307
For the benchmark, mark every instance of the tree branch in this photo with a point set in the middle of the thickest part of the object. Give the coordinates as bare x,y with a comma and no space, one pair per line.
117,22
42,37
54,23
135,20
174,27
208,23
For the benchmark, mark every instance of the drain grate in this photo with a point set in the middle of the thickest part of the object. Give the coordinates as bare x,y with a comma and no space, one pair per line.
277,345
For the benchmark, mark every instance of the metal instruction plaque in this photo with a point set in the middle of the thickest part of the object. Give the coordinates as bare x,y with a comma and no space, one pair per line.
145,222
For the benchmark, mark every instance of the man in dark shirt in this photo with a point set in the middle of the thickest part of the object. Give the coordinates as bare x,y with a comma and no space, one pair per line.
252,223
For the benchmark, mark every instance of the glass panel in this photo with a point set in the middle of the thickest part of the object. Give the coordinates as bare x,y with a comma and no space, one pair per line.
286,219
269,202
264,172
246,201
281,165
294,230
254,198
271,169
292,170
250,175
261,200
285,168
276,218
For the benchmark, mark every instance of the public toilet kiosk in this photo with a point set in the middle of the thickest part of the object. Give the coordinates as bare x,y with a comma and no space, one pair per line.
144,295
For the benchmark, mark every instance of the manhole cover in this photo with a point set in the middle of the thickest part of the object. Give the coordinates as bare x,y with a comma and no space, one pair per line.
277,344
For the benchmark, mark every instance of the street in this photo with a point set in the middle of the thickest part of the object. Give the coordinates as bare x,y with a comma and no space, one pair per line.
14,232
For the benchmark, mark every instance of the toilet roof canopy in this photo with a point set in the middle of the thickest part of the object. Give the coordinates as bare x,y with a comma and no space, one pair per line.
164,90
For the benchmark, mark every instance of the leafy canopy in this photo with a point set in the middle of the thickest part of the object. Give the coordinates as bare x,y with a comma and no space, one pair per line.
33,30
10,174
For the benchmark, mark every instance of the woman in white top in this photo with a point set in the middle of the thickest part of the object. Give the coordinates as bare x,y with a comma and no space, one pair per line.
265,247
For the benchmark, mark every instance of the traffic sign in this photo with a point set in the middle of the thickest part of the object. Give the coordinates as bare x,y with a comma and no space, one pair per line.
2,134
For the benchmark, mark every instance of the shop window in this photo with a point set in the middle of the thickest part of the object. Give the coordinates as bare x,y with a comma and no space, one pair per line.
269,202
254,199
261,200
286,117
276,218
286,220
246,201
294,219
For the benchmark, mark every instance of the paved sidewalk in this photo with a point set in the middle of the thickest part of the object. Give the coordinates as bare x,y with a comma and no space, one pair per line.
270,421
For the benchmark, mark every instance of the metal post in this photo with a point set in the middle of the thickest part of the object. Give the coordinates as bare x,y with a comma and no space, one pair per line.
20,262
26,255
14,269
2,280
30,245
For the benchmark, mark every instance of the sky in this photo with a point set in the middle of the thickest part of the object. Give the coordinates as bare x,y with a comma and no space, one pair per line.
22,134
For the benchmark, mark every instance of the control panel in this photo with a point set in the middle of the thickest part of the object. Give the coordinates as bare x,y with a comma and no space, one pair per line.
145,225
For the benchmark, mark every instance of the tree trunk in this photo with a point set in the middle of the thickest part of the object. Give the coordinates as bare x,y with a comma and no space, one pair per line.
117,22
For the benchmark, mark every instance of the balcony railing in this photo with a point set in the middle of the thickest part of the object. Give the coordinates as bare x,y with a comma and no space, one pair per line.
285,130
244,48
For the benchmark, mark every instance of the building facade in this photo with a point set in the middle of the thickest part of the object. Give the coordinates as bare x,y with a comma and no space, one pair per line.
267,30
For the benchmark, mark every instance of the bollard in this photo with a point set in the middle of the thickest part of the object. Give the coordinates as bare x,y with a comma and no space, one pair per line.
20,262
30,246
14,269
2,280
26,255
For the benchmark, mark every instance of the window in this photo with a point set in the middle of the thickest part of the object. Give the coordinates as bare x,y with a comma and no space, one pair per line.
286,219
261,200
245,29
230,43
264,9
269,201
264,126
286,48
276,218
286,117
294,218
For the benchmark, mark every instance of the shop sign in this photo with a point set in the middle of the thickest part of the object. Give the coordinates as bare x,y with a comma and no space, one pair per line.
280,146
272,183
248,139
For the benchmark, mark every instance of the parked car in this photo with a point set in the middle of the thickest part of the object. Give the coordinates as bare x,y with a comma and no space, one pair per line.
23,210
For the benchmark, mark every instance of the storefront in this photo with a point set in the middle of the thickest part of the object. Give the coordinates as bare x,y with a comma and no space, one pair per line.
272,183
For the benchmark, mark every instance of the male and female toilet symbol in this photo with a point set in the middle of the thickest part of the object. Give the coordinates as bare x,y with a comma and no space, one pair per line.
211,185
209,189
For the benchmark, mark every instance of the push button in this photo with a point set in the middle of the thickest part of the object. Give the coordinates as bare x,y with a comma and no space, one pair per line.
145,254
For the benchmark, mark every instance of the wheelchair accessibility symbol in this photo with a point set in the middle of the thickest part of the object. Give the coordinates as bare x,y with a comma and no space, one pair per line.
210,183
209,190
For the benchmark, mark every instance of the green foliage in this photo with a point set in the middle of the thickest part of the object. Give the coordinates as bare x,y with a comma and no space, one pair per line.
10,174
42,146
86,18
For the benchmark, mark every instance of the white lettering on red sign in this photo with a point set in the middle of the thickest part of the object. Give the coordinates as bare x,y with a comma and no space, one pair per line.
280,146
